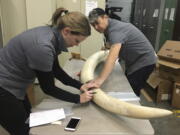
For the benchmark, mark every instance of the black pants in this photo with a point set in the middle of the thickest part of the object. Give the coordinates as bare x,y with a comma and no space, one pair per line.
138,79
14,113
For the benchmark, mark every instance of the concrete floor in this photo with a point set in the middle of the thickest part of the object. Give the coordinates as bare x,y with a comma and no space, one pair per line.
163,126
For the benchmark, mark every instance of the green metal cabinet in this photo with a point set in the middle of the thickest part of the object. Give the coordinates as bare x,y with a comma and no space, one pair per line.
155,18
146,16
176,34
168,21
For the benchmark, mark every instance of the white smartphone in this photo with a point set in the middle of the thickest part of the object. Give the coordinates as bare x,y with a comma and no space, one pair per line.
72,124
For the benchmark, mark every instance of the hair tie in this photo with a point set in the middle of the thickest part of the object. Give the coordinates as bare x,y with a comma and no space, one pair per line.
66,11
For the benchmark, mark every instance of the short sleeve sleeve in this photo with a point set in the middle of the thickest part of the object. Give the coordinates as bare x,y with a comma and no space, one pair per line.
41,58
116,37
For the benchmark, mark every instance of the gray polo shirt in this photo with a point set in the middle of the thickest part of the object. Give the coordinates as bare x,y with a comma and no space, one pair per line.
136,50
33,49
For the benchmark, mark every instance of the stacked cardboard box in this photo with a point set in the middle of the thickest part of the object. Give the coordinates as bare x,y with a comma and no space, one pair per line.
167,73
162,87
176,95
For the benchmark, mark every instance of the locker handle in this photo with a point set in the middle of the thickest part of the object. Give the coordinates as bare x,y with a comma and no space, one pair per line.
177,51
169,55
151,27
166,30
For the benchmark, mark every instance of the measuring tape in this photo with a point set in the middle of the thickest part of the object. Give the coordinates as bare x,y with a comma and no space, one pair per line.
176,113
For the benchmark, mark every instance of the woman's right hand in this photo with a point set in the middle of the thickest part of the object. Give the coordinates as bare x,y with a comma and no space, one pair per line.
97,82
86,96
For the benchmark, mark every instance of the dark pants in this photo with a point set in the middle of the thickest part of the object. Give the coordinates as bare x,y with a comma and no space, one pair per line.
138,79
14,113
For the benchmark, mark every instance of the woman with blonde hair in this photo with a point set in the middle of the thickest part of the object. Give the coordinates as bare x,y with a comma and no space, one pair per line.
34,53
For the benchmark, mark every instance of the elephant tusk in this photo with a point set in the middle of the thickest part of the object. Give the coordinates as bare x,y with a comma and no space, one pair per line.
112,104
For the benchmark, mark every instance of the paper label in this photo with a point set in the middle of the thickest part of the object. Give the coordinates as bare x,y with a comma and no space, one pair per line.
89,5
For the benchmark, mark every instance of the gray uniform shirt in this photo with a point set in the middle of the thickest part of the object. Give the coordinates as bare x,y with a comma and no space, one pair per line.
33,49
136,50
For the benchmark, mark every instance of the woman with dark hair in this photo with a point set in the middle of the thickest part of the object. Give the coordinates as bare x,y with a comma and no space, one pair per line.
126,43
34,53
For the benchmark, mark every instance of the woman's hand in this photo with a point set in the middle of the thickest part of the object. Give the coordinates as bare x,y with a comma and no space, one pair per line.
78,74
88,92
86,96
97,82
88,86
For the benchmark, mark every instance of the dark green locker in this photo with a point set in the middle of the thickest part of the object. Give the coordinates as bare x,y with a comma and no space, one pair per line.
146,16
168,21
176,34
138,14
150,19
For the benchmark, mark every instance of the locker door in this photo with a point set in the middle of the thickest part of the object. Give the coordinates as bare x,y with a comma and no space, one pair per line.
168,21
145,16
138,14
176,34
150,19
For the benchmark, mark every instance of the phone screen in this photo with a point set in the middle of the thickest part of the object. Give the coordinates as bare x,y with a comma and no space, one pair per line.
73,123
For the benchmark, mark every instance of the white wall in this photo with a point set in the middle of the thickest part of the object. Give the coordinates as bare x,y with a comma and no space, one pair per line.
39,12
19,15
13,18
94,42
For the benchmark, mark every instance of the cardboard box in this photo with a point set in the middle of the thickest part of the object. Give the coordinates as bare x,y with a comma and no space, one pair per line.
169,61
170,51
176,95
169,73
168,69
162,86
169,64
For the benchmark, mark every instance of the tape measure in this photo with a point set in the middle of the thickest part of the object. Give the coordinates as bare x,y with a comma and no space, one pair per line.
176,113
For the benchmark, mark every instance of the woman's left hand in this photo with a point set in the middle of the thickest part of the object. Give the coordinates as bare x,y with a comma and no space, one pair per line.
88,86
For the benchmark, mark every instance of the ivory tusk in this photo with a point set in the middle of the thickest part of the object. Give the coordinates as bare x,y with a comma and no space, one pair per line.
112,104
